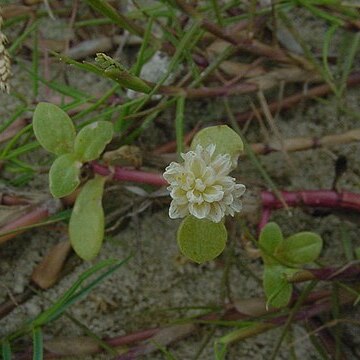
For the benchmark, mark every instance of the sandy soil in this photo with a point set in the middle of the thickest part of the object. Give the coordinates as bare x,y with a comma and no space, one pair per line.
156,278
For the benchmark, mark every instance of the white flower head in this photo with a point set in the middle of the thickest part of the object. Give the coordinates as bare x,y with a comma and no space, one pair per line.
200,186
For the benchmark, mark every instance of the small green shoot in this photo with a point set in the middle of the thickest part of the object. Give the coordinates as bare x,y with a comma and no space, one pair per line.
87,220
281,258
38,348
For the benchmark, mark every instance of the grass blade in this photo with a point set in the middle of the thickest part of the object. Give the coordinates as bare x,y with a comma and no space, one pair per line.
35,63
74,294
38,344
140,58
179,123
350,52
6,350
250,153
107,10
20,39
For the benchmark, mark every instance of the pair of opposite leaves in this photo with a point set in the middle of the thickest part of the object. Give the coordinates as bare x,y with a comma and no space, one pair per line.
56,132
281,260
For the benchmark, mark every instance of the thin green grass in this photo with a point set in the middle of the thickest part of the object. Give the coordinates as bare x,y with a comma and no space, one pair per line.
302,297
117,18
60,216
216,9
168,355
18,42
6,350
77,291
102,100
8,154
15,116
141,58
35,63
250,153
179,124
38,347
335,310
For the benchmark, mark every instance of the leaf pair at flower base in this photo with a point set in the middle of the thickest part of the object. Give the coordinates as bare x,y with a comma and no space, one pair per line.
203,238
56,133
281,257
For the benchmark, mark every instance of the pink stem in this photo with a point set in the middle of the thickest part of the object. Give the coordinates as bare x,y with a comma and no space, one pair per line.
315,198
265,216
32,217
122,174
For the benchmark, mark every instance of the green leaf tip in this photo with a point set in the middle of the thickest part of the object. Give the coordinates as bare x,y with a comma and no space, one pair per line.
86,227
53,128
270,238
117,72
92,139
227,141
201,240
64,175
301,248
277,289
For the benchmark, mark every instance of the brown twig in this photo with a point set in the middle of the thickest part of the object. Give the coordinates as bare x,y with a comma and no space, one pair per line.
287,103
306,143
290,101
9,305
289,145
245,44
171,146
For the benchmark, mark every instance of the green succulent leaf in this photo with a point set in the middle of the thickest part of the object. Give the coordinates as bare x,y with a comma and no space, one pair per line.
91,140
86,227
53,128
270,238
64,175
277,290
201,240
301,248
227,141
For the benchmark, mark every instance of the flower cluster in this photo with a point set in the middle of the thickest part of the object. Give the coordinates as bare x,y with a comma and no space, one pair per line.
200,186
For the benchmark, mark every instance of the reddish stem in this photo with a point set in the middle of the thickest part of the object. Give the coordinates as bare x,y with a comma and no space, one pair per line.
349,271
122,174
265,216
314,198
32,217
12,200
132,338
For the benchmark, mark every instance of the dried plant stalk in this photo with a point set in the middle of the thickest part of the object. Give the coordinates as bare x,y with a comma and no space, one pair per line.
5,66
